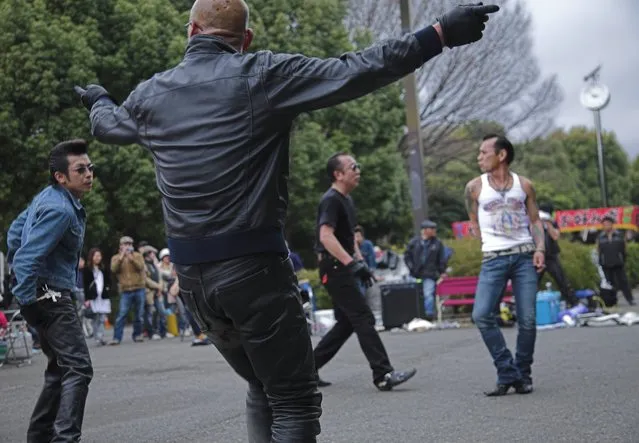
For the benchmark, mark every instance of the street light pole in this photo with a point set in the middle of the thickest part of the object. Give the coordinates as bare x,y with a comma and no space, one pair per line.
595,96
602,170
413,138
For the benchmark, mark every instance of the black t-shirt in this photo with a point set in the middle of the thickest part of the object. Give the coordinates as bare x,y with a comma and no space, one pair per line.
338,211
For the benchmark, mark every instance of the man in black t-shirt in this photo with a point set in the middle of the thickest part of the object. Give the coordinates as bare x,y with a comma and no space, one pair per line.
341,268
553,265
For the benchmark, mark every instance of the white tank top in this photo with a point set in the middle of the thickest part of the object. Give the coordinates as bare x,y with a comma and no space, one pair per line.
503,218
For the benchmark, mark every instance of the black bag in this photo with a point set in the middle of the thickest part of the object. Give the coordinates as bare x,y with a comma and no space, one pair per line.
87,312
609,296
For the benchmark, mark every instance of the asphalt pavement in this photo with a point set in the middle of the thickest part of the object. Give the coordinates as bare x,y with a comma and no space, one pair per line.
586,390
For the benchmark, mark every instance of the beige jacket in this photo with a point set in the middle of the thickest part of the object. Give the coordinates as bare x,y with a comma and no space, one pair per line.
130,271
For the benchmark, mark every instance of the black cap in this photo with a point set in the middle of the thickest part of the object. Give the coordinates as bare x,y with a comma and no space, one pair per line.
429,224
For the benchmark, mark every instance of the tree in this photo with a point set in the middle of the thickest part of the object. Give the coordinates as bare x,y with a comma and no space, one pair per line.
53,45
556,178
634,182
369,127
496,79
43,56
580,144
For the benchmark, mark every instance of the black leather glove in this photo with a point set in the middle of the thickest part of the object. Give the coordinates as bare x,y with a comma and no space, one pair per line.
32,313
464,24
92,94
359,269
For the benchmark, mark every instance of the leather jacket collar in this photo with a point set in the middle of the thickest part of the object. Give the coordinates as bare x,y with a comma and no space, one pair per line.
208,43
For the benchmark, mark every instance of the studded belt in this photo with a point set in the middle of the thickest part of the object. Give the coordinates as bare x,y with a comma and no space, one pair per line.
521,249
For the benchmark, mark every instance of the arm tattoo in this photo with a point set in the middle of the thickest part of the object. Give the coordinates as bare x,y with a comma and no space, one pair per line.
469,199
472,208
538,235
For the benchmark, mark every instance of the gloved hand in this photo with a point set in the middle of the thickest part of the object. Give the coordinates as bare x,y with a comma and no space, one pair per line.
464,24
33,313
92,94
359,269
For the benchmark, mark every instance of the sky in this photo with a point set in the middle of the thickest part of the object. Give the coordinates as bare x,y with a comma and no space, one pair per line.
572,37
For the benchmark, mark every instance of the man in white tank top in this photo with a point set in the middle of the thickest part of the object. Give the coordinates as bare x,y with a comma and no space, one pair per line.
503,212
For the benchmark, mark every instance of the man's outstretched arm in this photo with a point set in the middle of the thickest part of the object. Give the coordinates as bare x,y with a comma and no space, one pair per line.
110,123
296,84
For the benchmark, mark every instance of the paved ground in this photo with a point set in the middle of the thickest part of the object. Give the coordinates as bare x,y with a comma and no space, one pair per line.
586,380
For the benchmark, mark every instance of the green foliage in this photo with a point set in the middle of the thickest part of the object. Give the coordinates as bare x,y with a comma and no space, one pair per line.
368,128
634,182
576,259
557,180
581,147
53,45
632,264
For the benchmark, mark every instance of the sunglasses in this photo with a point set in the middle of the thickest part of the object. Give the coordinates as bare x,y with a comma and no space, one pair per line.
84,169
355,167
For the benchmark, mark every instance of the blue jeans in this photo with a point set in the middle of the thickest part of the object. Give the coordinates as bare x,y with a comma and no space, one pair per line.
98,326
493,278
428,286
128,299
158,304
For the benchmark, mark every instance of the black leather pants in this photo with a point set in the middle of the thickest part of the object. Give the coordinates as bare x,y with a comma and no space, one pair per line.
59,411
352,314
250,309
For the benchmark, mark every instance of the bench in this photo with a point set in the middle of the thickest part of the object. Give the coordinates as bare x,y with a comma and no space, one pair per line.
459,286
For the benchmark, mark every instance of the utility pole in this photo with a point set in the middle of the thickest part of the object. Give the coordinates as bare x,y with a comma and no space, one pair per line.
412,140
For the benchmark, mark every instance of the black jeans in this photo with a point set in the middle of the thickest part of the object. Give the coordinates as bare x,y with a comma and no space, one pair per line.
352,314
250,308
59,411
619,280
556,271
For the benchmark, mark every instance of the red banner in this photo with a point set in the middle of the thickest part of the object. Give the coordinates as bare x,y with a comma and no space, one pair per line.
626,217
461,229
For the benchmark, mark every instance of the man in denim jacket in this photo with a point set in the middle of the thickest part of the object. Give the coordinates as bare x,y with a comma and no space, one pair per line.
44,245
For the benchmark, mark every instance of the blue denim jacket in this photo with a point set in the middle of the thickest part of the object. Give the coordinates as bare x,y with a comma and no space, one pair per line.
368,253
44,243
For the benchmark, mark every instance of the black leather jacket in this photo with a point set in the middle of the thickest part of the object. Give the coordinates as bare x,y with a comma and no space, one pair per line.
218,127
435,263
612,251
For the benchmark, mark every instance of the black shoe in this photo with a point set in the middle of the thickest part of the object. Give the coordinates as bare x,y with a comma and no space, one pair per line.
523,387
323,383
394,378
502,389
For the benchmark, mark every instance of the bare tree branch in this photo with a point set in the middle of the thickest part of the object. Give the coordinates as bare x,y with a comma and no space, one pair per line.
496,79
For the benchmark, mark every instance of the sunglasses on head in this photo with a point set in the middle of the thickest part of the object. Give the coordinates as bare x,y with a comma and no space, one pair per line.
83,169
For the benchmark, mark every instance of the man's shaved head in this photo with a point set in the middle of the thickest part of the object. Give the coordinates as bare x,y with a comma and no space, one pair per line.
224,18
